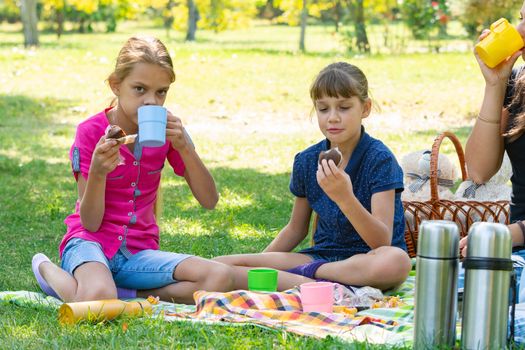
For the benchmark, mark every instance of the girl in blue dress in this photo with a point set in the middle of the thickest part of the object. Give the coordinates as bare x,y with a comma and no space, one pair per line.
359,238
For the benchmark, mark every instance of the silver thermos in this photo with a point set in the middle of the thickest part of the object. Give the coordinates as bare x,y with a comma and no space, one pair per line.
488,270
436,293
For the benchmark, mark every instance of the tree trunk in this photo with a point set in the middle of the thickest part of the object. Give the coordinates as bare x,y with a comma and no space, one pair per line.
29,21
338,15
168,20
60,21
304,16
81,24
360,28
193,18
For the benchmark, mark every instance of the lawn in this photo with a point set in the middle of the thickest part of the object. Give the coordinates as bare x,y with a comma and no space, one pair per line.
243,96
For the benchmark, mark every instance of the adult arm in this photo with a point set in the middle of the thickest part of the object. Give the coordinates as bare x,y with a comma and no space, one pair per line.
515,232
484,149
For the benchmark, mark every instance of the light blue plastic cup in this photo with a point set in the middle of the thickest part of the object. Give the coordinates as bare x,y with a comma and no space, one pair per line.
152,126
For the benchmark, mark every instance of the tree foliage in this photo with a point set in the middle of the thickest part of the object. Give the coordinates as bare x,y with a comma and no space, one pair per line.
9,11
291,9
217,15
479,14
420,17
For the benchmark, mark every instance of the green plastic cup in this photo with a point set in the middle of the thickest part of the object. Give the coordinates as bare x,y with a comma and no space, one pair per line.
262,280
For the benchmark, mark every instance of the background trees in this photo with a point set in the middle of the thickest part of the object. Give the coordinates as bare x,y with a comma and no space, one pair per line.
351,19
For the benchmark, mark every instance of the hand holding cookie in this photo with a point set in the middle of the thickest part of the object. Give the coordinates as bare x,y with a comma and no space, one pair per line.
333,180
105,158
116,133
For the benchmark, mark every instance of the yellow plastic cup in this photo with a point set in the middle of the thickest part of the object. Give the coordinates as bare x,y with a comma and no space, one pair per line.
502,41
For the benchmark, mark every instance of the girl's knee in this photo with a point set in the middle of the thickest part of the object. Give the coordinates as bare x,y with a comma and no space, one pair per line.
402,259
219,278
96,292
393,266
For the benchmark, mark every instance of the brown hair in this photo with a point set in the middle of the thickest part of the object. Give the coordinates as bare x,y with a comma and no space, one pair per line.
516,126
340,79
141,49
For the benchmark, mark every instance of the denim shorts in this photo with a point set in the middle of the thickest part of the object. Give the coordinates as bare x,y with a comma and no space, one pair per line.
147,269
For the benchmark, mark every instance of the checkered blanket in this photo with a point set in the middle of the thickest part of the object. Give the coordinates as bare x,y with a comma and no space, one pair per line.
274,310
392,326
278,310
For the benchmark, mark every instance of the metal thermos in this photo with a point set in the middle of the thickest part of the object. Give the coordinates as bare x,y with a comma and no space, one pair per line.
488,269
435,304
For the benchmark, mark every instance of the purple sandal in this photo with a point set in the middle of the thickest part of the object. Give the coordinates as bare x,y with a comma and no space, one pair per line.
35,264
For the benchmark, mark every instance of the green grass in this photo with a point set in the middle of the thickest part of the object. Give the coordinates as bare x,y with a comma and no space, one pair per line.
244,98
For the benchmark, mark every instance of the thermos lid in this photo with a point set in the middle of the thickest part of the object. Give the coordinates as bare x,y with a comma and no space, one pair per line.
438,239
488,239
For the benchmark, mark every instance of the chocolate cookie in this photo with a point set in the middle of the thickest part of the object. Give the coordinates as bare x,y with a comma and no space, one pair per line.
334,154
115,132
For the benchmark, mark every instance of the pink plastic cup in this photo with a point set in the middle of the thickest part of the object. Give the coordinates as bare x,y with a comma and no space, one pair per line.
317,296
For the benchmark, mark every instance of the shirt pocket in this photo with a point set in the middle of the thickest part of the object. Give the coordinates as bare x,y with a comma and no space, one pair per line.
152,175
117,178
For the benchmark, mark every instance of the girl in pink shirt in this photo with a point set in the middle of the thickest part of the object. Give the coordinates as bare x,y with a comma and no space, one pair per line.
111,245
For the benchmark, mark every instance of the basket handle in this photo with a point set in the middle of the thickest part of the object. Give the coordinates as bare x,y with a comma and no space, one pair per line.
434,156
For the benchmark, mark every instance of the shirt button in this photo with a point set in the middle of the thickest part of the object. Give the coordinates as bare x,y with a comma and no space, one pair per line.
130,213
120,238
125,227
135,163
133,184
131,200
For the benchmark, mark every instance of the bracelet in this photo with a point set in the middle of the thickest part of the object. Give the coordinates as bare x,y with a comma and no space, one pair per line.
522,228
488,121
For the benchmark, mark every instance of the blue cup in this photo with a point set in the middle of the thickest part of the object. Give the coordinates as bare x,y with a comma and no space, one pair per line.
152,125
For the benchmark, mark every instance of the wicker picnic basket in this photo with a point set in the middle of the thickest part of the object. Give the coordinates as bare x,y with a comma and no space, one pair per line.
463,213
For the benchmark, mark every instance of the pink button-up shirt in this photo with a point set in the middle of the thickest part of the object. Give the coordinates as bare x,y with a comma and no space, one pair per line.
131,190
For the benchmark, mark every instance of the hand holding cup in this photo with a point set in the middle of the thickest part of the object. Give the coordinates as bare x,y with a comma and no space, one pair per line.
175,132
497,51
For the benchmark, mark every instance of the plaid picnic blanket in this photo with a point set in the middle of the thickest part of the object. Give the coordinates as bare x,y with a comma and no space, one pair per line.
389,326
278,310
283,311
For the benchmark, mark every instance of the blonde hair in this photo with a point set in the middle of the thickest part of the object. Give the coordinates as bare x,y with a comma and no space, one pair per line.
141,49
340,79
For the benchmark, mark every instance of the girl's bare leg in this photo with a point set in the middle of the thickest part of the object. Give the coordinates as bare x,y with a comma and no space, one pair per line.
91,281
285,280
275,260
383,268
194,274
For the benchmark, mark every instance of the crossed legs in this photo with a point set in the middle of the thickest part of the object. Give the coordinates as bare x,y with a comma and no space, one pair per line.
241,263
94,281
383,268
